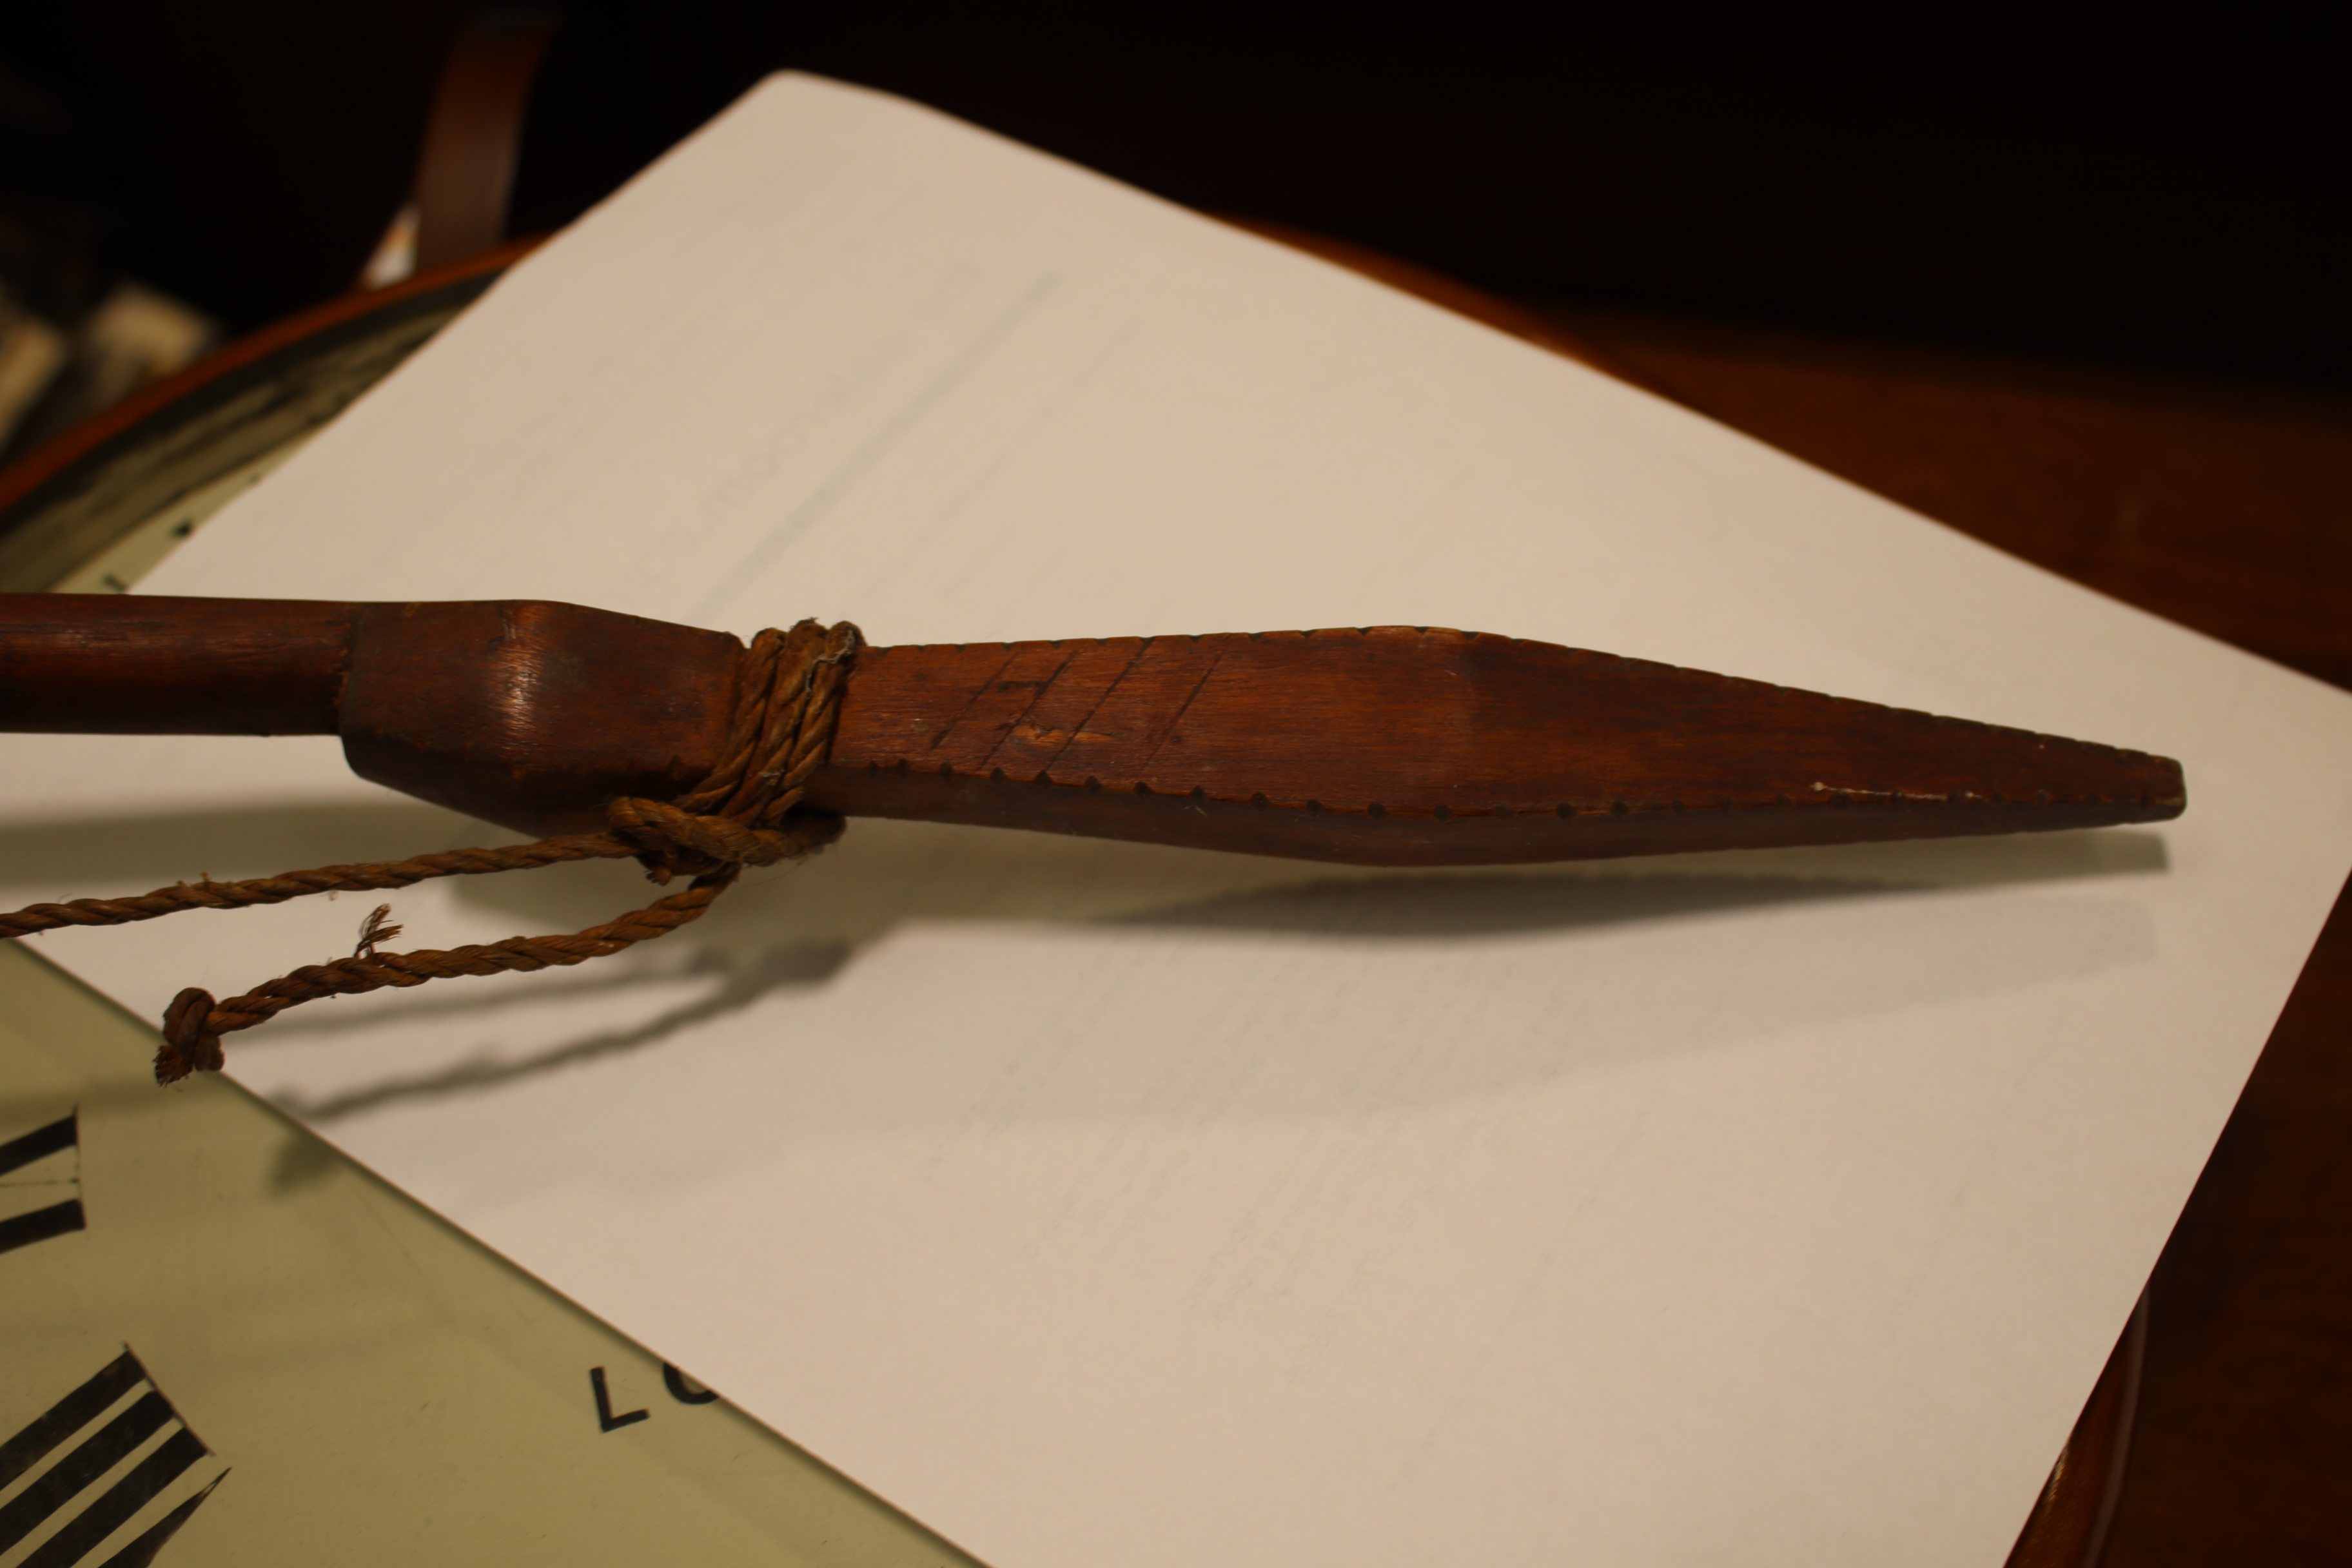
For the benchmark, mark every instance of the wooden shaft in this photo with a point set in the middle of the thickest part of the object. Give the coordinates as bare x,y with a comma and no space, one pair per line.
107,664
1383,746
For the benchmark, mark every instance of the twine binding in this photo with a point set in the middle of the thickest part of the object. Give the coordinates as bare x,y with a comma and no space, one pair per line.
748,812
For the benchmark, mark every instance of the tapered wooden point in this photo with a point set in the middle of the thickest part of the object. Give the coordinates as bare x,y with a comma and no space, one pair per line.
1402,745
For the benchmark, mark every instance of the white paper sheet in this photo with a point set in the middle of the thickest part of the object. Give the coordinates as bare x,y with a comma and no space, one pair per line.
1102,1203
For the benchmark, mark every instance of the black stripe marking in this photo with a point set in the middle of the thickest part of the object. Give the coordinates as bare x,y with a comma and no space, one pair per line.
25,1229
68,1416
39,1143
104,1449
150,1541
126,1497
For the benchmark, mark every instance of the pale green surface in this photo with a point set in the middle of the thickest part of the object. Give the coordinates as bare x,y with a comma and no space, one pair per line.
376,1386
379,1388
143,548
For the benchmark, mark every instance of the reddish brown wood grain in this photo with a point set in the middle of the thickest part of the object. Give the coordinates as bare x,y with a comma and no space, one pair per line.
1381,745
1398,745
113,664
533,714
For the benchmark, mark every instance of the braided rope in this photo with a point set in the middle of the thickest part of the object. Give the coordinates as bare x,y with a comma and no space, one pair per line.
748,812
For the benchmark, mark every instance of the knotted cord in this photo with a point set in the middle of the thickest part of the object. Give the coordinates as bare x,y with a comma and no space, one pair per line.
748,812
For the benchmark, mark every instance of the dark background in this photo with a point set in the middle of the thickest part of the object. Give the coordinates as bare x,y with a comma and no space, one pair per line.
2137,189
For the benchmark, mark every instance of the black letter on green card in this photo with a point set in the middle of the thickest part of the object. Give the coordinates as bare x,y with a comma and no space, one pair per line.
605,1419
